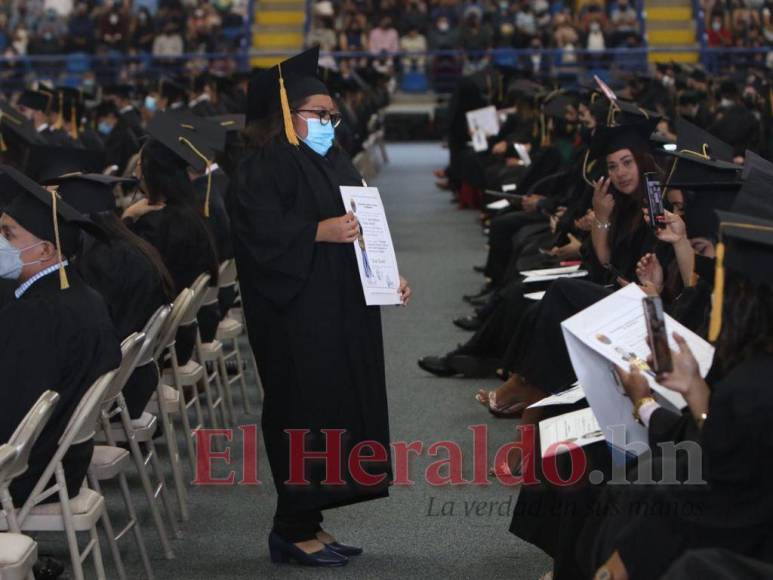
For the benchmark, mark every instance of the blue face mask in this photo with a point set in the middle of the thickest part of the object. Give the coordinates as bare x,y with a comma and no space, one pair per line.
150,104
320,137
105,128
11,263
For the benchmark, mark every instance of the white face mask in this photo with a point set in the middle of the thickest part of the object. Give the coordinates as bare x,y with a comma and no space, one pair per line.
11,263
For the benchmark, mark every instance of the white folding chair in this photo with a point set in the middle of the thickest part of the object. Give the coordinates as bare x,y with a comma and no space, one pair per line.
111,462
18,552
228,332
68,515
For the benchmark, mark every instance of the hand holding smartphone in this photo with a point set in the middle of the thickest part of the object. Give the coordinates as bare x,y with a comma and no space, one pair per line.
655,201
657,335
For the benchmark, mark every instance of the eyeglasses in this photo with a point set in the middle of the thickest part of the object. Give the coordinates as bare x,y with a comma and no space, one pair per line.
324,116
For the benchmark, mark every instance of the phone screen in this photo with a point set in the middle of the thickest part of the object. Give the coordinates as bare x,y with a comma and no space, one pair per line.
655,201
658,337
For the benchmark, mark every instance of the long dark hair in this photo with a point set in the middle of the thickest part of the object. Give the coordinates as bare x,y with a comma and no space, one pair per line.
166,179
627,215
116,229
747,320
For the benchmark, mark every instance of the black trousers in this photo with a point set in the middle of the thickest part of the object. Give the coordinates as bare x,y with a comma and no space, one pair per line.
299,526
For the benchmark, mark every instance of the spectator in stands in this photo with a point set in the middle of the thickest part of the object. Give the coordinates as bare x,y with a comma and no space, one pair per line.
20,40
4,38
414,16
354,37
202,24
624,22
448,9
767,25
565,36
475,38
49,34
114,28
718,34
169,44
414,42
323,34
525,23
143,31
81,32
384,38
443,36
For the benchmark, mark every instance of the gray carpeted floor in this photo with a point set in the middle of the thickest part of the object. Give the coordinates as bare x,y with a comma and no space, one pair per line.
405,536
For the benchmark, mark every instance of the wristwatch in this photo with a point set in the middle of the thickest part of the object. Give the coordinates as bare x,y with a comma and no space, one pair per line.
638,405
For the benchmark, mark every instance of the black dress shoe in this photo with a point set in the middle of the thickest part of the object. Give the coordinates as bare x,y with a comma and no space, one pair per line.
437,365
480,299
46,568
473,367
283,551
487,288
344,550
468,322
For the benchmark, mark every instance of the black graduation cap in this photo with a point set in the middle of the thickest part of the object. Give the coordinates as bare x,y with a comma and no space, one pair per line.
690,98
172,89
34,208
745,246
608,139
122,90
89,193
11,120
50,161
191,139
272,90
556,106
35,100
626,112
702,160
230,122
754,161
755,198
692,137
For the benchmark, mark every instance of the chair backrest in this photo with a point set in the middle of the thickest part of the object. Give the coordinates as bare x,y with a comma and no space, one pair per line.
130,352
199,288
227,275
173,321
30,428
80,428
152,331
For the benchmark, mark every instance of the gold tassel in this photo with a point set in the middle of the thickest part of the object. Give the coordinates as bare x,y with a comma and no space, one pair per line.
203,157
73,122
586,168
715,324
64,283
60,120
287,117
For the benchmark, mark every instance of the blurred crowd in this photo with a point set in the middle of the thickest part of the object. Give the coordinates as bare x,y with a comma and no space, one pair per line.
740,24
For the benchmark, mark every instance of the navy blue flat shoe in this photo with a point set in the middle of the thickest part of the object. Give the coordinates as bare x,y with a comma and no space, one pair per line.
282,552
344,550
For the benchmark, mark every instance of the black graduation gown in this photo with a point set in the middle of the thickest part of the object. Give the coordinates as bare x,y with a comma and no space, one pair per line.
715,564
91,140
734,510
204,109
57,137
218,222
120,145
318,346
55,339
133,121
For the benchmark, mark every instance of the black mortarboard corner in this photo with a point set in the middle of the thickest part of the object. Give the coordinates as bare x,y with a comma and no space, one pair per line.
627,112
124,90
42,213
36,100
230,122
172,90
13,121
50,161
272,90
186,136
556,105
89,193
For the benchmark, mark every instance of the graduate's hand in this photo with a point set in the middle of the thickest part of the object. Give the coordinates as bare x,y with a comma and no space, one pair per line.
499,148
685,378
140,208
529,202
339,230
404,291
675,230
603,201
569,251
650,272
585,223
634,384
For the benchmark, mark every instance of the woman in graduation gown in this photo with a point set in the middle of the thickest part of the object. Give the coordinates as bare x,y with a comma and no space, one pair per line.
318,346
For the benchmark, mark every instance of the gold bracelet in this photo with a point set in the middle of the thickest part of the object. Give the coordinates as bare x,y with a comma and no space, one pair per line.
638,405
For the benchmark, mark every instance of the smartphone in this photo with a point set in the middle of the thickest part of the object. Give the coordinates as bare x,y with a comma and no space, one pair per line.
655,201
656,332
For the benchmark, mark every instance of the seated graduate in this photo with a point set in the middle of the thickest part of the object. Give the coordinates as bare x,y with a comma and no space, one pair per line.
729,415
38,107
128,272
170,218
57,333
120,140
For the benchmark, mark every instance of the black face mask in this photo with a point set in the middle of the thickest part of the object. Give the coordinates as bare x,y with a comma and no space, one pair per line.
585,135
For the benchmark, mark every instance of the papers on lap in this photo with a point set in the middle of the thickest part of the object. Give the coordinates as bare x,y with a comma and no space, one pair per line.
613,332
535,295
485,120
375,253
551,271
568,397
548,277
578,428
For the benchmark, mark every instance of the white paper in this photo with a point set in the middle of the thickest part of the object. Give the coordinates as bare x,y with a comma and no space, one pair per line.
535,295
570,396
498,204
479,141
520,149
375,252
613,332
578,428
508,187
551,271
549,277
484,119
